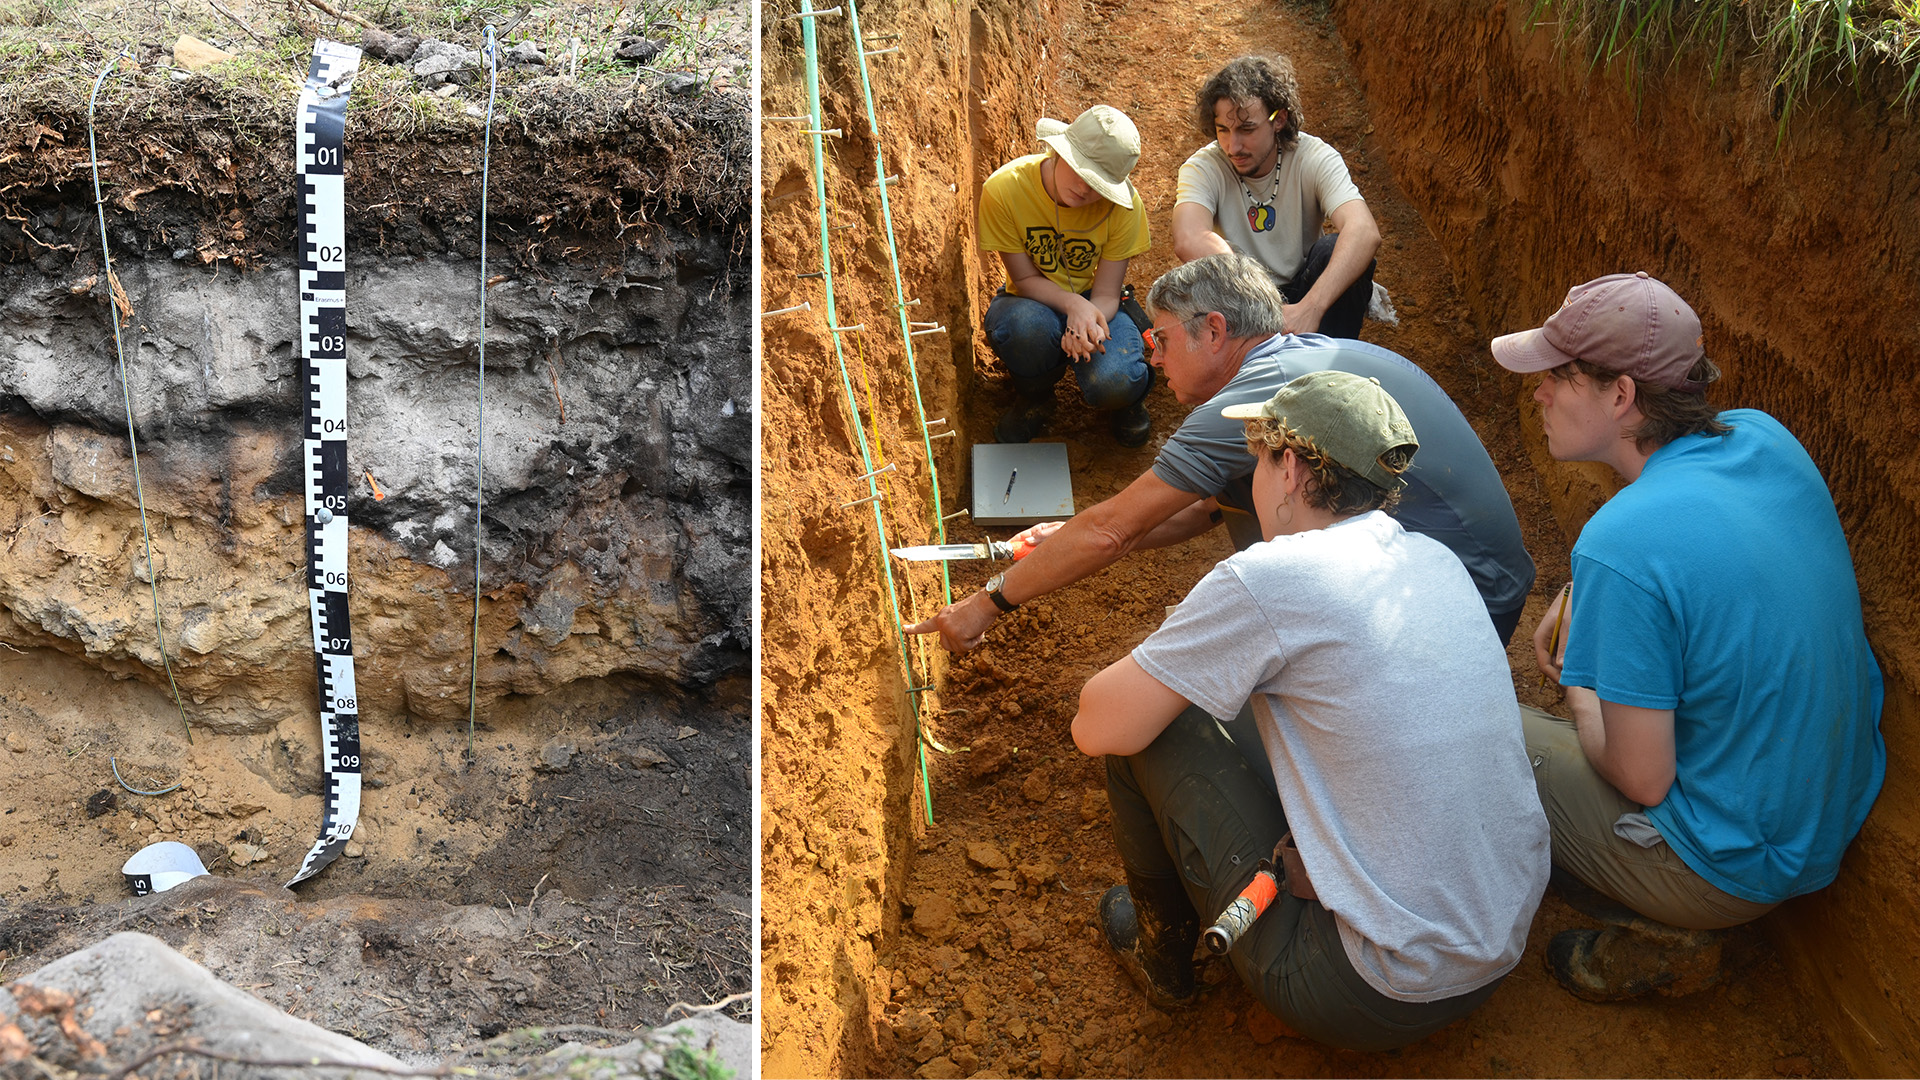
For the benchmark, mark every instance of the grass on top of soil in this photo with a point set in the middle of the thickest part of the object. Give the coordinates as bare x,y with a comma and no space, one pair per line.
51,51
1869,46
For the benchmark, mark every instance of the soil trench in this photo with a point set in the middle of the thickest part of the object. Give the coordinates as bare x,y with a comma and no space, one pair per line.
970,947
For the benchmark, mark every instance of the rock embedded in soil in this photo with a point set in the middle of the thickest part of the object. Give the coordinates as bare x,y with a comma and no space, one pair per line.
638,50
390,48
935,918
985,855
437,62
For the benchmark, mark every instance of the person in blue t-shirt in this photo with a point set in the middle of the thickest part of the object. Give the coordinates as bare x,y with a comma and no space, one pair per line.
1725,744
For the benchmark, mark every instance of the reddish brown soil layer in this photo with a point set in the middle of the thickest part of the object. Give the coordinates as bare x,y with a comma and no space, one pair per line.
894,948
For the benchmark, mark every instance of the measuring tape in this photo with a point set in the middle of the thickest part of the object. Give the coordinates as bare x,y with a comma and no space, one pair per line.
320,137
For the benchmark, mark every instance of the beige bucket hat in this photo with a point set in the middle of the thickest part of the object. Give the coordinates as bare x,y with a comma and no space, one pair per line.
1101,145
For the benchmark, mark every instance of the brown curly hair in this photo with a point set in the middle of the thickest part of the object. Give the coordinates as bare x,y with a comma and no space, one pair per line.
1330,485
1268,78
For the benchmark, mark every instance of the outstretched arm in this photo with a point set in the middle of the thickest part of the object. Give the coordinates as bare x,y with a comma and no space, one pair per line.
1089,541
1193,235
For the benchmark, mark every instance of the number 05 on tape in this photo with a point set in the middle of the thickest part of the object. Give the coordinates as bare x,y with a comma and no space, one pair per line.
320,140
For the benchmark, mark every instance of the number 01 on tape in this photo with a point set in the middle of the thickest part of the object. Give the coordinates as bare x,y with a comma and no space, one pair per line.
319,141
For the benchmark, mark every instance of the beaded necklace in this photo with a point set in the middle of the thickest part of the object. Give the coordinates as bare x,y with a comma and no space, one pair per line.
1260,214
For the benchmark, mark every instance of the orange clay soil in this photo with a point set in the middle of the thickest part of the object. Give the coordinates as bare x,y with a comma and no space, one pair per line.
891,947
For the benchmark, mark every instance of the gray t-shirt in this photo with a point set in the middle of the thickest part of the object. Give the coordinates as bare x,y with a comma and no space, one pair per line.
1310,183
1384,701
1453,492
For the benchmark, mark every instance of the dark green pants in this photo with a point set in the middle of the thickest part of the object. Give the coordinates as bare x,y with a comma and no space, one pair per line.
1192,806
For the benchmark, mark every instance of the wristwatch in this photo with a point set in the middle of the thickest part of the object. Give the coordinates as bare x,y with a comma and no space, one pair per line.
993,586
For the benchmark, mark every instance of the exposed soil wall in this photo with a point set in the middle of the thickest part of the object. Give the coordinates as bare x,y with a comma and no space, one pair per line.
894,947
611,769
1802,256
617,445
839,779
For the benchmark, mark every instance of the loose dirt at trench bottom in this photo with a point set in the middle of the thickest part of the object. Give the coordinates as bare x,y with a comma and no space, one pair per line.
1006,973
477,901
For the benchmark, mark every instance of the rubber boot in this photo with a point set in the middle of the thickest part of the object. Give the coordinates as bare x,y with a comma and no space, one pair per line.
1152,928
1641,957
1028,415
1131,426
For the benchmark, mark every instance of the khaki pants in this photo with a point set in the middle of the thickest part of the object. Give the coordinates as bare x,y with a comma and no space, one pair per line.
1581,809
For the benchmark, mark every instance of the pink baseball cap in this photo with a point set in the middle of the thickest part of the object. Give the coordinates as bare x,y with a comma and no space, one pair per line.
1632,324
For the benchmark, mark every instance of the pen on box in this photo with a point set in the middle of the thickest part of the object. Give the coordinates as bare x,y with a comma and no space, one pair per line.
1011,477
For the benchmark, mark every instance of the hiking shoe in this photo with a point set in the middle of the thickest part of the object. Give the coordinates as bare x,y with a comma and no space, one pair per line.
1166,980
1025,418
1132,426
1624,962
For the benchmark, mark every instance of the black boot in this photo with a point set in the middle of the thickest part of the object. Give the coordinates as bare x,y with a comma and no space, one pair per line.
1153,928
1027,416
1131,426
1627,961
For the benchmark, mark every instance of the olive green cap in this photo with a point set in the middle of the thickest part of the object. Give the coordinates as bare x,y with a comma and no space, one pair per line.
1352,420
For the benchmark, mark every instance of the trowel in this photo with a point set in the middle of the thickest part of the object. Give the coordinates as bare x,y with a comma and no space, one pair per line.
992,549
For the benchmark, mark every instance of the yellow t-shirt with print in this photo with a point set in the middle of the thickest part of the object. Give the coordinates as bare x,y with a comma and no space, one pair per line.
1065,243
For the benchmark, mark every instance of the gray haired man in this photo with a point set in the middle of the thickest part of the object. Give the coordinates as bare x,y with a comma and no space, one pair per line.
1220,339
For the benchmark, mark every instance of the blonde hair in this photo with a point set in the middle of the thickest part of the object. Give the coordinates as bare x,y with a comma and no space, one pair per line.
1330,485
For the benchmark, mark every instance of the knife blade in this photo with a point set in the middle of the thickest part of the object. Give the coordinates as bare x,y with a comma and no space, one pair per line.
992,549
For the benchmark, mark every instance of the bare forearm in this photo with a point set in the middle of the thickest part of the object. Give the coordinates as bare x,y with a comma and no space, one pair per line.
1631,747
1592,729
1043,289
1183,526
1351,253
1083,546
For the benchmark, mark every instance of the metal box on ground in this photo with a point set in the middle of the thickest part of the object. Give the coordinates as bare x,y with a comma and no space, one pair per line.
1021,483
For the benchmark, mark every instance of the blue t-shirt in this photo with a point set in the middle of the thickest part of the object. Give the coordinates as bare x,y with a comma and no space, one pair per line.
1719,585
1453,493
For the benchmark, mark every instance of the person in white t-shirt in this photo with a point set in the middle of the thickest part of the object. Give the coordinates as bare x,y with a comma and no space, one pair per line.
1263,188
1402,803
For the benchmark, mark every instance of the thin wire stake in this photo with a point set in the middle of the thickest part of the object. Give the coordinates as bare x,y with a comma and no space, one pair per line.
114,764
807,306
126,393
480,403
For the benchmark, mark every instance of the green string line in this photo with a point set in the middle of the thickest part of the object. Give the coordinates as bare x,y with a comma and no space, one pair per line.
126,394
899,292
913,380
480,401
809,40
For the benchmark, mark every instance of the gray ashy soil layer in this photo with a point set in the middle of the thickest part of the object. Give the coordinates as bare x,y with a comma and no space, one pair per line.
617,425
